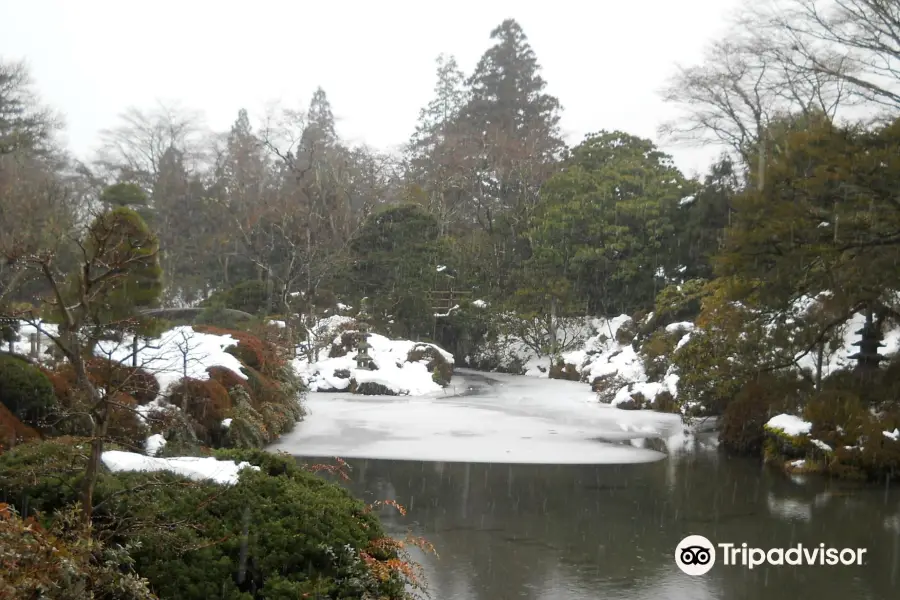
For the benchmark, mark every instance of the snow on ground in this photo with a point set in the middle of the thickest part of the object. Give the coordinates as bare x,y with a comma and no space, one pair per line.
196,468
23,344
390,356
504,419
178,352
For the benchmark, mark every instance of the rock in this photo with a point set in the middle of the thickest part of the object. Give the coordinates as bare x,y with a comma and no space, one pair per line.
629,404
342,373
565,371
370,388
441,369
336,351
626,332
664,402
636,402
607,386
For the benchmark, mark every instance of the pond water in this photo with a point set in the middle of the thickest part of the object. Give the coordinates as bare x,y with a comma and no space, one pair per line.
507,529
575,532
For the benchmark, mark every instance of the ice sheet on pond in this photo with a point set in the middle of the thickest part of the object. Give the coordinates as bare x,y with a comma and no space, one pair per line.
512,420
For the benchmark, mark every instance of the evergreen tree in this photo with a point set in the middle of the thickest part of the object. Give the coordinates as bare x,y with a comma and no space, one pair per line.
514,122
512,137
319,133
606,223
436,154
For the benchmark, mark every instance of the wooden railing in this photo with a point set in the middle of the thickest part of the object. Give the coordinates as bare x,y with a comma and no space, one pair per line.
442,301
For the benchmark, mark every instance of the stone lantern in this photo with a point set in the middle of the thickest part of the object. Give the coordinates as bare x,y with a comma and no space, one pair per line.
363,360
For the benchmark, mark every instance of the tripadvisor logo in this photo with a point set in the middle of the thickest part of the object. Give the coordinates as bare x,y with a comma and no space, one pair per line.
696,555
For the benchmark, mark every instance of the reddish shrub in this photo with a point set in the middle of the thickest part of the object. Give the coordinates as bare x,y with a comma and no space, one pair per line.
125,426
250,349
206,401
113,377
228,378
62,379
12,430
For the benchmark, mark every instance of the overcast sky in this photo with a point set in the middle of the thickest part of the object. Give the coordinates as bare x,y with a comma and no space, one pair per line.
605,59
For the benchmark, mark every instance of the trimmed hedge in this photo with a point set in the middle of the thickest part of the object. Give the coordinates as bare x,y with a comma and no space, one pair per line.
25,390
279,533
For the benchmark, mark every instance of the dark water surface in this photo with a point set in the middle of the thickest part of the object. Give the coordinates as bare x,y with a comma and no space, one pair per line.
547,532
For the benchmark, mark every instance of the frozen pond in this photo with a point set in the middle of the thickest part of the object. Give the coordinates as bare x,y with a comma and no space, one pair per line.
481,418
604,521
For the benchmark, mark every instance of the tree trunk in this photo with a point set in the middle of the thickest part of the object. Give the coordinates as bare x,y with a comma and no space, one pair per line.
761,166
99,416
554,350
270,291
819,360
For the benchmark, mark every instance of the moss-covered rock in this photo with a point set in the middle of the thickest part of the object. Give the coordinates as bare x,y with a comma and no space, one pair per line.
780,446
370,388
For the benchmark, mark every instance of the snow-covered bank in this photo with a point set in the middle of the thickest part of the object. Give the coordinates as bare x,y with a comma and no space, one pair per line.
595,349
402,366
192,467
177,353
515,420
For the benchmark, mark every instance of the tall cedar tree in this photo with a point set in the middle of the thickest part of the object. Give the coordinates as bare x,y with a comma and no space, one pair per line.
513,138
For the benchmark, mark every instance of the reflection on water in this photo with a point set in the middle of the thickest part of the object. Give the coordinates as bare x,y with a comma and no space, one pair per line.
547,532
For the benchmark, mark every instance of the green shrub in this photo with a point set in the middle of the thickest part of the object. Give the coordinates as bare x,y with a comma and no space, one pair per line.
25,390
302,532
43,475
745,416
837,417
218,316
247,428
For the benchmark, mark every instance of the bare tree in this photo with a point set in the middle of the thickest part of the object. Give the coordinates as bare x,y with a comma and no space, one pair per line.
745,83
856,42
134,150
